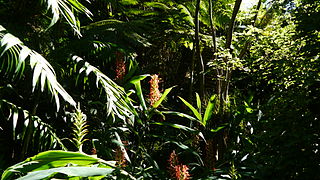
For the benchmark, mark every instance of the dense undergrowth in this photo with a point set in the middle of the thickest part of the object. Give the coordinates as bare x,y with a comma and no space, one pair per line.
166,89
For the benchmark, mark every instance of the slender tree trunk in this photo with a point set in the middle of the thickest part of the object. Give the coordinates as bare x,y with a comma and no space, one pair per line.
211,144
232,23
213,30
192,74
198,53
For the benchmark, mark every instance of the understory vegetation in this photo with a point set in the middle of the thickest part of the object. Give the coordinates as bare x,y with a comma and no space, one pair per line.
159,89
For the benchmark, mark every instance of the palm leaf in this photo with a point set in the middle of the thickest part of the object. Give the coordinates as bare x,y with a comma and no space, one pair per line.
17,55
66,9
42,138
118,103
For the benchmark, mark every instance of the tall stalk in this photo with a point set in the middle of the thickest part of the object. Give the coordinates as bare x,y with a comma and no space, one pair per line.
198,56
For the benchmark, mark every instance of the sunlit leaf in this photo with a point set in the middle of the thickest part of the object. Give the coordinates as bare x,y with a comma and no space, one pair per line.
209,109
194,110
164,95
70,171
66,9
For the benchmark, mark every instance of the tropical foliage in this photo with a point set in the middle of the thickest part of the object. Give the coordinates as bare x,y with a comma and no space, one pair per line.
161,89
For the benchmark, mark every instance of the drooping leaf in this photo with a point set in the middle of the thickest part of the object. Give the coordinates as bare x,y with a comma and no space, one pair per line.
66,9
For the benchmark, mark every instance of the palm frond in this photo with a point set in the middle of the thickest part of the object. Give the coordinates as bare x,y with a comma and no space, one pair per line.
118,104
15,126
66,9
125,33
14,55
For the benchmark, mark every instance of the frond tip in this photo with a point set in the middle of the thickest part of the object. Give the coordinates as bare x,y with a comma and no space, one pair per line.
66,9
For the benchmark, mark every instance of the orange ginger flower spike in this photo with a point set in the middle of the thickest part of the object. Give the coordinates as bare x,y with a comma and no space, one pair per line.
120,66
155,94
177,171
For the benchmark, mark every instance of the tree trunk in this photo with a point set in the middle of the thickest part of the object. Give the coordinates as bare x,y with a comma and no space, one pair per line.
223,86
198,53
232,22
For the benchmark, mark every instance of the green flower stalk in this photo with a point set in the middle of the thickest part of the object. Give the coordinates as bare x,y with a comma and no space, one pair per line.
80,128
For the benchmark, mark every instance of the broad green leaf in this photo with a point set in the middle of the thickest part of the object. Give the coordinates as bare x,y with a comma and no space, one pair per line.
209,109
70,171
139,78
198,102
195,112
50,159
164,95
